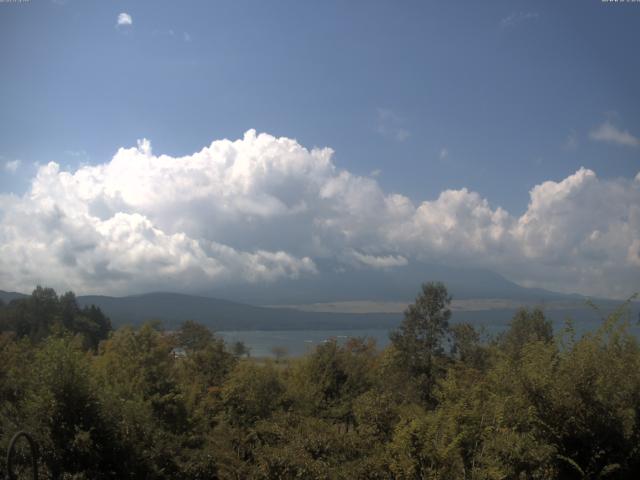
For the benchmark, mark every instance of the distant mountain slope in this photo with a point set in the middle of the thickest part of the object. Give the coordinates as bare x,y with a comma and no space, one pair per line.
6,297
173,308
335,283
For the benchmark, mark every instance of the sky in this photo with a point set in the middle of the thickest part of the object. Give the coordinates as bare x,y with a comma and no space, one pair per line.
149,144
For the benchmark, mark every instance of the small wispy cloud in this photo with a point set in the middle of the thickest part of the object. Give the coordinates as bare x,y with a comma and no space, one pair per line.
124,20
390,125
607,132
571,142
516,18
402,134
174,34
381,262
76,153
12,165
444,153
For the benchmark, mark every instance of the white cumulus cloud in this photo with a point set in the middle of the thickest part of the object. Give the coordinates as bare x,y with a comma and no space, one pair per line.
262,208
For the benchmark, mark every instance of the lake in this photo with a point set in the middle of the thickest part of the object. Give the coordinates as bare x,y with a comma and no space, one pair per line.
490,323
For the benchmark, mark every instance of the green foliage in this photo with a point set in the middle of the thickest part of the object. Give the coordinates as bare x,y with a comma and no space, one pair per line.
239,349
326,383
37,316
524,406
526,327
194,336
58,402
467,347
250,393
419,342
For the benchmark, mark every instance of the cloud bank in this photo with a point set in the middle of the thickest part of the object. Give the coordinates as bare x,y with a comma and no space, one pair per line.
262,208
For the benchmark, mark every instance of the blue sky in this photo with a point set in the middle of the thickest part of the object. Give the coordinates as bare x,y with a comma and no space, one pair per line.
495,97
502,86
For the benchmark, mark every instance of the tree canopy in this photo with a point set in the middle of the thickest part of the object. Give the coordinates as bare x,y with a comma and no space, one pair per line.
438,403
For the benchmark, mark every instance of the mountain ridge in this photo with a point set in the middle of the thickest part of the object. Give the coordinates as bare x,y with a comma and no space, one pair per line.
297,304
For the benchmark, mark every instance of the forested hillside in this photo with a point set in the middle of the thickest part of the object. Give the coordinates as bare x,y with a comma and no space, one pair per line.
441,402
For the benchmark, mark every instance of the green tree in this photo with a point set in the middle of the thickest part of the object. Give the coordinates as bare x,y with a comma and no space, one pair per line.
525,327
239,349
250,394
467,346
193,336
326,383
62,408
419,342
42,313
138,387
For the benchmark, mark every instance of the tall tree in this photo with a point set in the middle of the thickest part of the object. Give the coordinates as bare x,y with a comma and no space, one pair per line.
420,339
526,326
194,336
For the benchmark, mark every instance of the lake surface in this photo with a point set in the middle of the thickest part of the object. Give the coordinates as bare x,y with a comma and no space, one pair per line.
489,323
297,342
